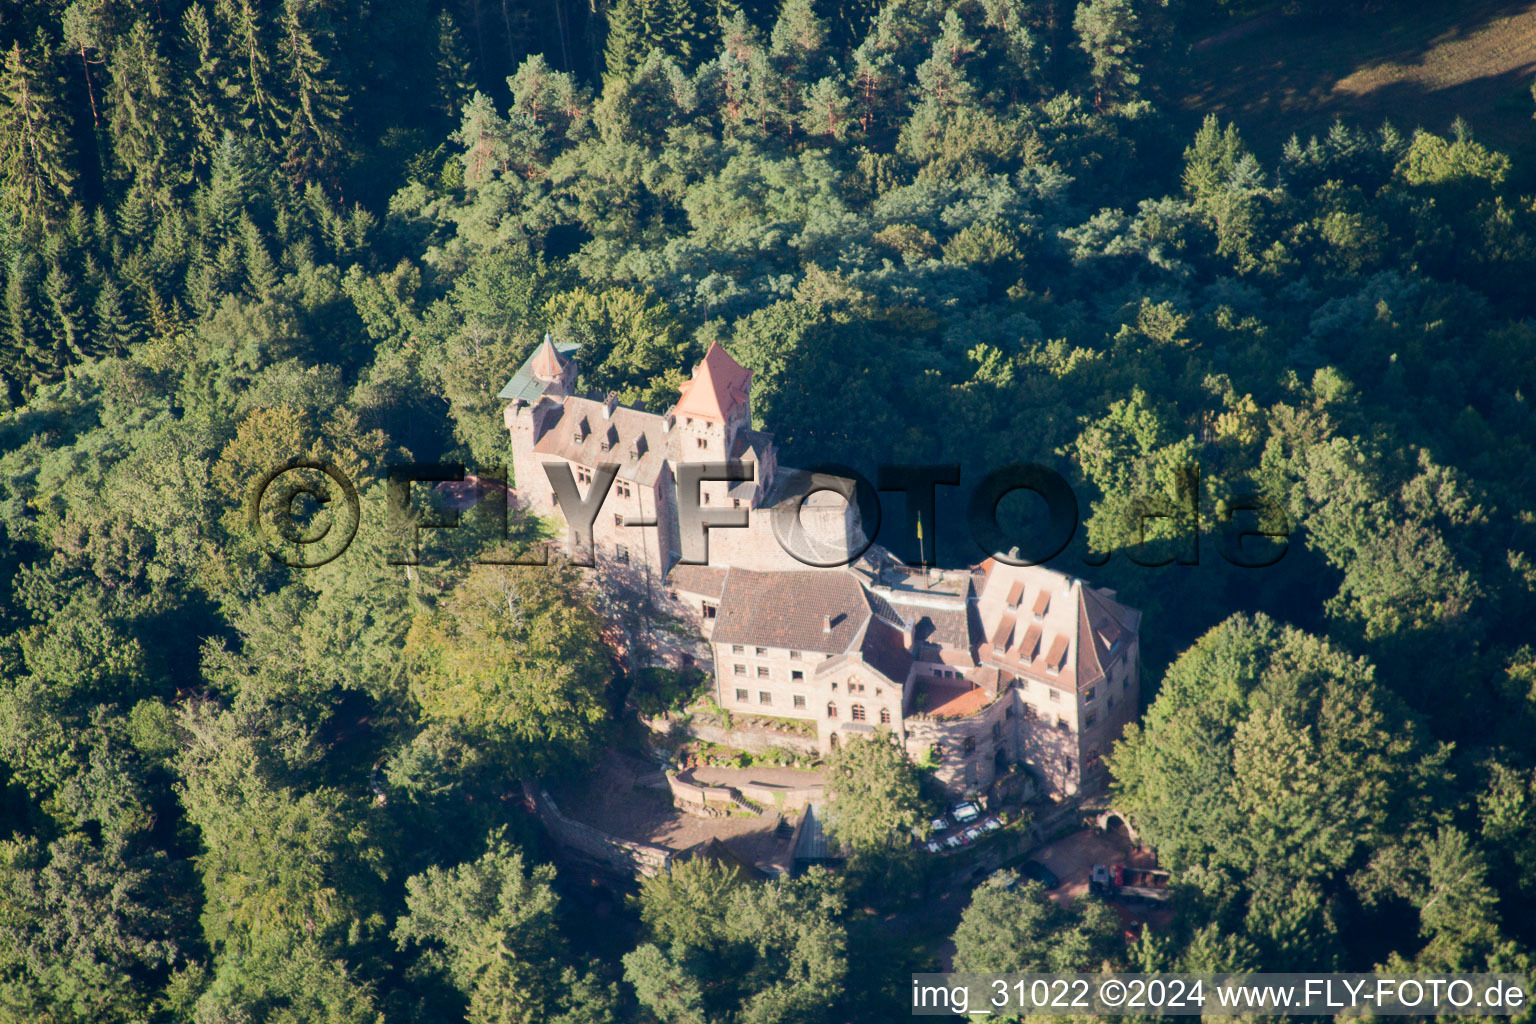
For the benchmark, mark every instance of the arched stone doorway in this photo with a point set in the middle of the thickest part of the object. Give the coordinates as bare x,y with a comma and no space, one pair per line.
1115,823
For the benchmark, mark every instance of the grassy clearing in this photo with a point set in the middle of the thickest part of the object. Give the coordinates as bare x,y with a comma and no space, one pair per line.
1419,65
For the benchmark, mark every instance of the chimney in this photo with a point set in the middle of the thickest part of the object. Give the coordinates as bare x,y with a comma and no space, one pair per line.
667,422
908,633
609,402
826,624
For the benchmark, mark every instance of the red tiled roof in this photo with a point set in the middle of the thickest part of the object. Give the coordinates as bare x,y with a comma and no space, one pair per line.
704,580
953,699
1002,636
1058,651
1030,645
718,386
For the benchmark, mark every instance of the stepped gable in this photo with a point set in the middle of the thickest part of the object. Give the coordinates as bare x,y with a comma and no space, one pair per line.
720,386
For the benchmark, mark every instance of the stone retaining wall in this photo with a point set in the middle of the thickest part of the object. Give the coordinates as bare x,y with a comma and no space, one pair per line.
624,854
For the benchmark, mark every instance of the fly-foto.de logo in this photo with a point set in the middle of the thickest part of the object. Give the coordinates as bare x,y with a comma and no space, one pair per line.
1249,531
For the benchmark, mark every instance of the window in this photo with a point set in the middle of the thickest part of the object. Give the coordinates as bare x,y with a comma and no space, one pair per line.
834,687
618,520
858,712
762,671
705,496
740,670
764,697
997,731
708,609
885,716
703,442
877,691
1090,718
968,745
1088,696
621,552
831,710
1055,694
735,503
1092,759
738,649
554,499
1008,711
794,655
761,651
799,700
796,674
1061,723
623,489
1109,702
741,695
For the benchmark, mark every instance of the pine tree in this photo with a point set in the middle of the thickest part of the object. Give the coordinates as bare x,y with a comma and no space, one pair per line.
83,34
1121,37
115,330
682,30
797,45
826,110
35,174
260,271
875,88
1209,160
145,124
314,142
628,24
207,90
255,104
66,313
33,355
455,79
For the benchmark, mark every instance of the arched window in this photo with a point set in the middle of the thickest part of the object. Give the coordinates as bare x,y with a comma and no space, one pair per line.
831,710
885,716
858,712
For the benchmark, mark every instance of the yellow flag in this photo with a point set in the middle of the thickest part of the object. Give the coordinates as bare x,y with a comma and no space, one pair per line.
919,526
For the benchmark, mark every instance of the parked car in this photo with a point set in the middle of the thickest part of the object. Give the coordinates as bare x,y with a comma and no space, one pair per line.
1037,872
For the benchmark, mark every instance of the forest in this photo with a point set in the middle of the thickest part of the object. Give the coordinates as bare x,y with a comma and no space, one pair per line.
234,232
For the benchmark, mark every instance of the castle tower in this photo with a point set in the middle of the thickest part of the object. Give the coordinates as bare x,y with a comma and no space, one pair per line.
534,396
711,413
554,369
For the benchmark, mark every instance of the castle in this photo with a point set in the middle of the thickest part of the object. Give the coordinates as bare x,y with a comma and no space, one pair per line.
994,674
